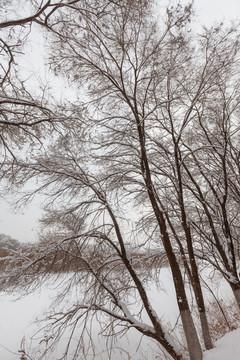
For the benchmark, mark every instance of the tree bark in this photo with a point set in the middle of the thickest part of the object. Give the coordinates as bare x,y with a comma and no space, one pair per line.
193,269
194,348
236,293
205,329
193,343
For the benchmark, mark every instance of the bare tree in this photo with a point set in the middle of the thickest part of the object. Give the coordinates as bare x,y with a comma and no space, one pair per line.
92,236
133,148
211,160
24,115
118,55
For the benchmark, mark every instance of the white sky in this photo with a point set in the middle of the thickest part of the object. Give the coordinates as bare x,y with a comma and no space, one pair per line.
210,11
23,226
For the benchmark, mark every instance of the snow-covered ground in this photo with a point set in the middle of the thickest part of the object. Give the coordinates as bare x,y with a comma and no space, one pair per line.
226,348
17,327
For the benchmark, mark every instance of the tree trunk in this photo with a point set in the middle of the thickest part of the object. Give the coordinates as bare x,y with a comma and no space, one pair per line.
205,330
201,306
236,293
193,273
235,286
193,343
194,348
197,292
195,282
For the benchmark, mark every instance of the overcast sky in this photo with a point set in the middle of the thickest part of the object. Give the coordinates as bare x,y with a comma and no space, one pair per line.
23,226
217,10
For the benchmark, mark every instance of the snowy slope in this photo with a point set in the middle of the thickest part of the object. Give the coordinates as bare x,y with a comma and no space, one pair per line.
227,348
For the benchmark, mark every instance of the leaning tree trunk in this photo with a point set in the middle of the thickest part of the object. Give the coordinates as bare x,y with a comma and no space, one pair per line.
197,290
235,286
195,281
236,293
194,348
193,269
203,317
